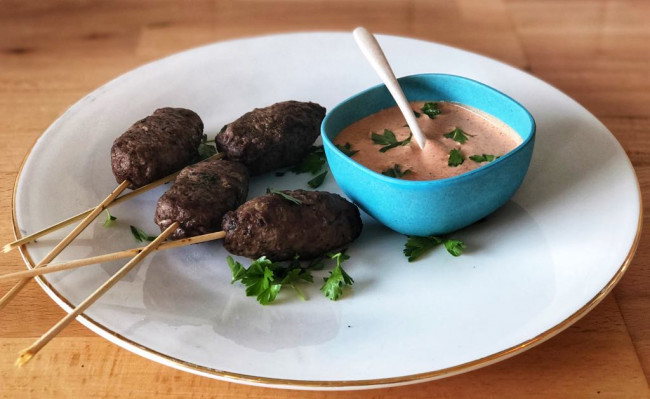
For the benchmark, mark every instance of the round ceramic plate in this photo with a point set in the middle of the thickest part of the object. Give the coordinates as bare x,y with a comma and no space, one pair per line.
529,271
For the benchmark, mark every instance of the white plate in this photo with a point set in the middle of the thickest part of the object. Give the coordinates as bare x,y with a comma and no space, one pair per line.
530,270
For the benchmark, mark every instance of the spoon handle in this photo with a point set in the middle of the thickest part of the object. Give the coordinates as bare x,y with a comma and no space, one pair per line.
375,56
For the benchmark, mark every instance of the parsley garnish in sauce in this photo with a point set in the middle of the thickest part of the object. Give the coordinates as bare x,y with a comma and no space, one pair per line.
347,149
455,158
431,110
483,158
388,140
458,135
396,171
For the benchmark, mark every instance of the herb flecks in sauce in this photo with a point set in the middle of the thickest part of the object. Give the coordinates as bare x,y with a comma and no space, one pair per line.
396,171
431,110
458,135
483,158
455,158
388,140
347,149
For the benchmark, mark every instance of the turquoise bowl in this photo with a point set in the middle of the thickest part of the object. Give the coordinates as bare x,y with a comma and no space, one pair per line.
432,207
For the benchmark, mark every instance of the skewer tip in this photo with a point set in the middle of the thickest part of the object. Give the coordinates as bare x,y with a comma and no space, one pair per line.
7,248
24,357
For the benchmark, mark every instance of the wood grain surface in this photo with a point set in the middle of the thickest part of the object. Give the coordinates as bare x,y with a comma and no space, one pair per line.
54,52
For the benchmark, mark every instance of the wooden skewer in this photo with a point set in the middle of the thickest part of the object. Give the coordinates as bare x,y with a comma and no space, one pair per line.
66,241
51,268
28,353
80,216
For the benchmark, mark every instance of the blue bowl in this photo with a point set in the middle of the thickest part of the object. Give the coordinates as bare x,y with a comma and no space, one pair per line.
432,207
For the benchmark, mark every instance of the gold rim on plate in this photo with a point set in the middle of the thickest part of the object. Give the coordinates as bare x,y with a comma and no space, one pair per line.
315,384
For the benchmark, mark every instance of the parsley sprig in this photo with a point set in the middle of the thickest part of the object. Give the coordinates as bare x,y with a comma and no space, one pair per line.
265,279
271,190
140,235
388,140
313,163
110,219
418,246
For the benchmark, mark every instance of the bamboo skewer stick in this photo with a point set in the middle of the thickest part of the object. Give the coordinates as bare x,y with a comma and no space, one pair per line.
28,353
51,268
80,216
66,241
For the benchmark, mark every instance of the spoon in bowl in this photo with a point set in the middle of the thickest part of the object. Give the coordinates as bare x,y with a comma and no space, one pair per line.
375,56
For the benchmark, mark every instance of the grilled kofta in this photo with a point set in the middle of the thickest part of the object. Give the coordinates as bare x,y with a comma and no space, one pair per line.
280,229
156,146
273,137
201,195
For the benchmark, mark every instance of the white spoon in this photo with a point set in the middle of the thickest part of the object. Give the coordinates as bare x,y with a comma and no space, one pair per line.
373,53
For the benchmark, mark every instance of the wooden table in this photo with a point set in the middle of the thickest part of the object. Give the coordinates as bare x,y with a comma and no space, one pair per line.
52,53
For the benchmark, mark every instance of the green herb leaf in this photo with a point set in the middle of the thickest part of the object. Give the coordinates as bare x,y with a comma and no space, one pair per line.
238,271
483,158
284,195
317,181
454,247
388,140
418,246
312,162
455,158
333,287
458,135
417,114
396,171
206,149
110,219
347,149
431,110
140,235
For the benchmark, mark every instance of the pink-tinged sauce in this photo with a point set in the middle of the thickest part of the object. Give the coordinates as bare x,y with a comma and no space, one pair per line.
489,135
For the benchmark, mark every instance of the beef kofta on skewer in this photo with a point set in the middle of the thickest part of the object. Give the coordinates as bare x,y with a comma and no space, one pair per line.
200,196
273,137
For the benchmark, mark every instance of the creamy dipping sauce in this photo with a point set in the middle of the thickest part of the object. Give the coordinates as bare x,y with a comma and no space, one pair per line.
481,136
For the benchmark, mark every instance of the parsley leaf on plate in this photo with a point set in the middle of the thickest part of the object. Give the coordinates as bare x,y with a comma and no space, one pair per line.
312,163
206,148
140,235
388,140
418,246
110,219
317,181
333,287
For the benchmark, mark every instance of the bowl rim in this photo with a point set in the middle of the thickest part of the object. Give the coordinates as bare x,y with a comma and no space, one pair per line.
327,143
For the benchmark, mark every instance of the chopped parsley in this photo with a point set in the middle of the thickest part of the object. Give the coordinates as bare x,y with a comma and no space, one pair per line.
317,181
455,158
271,190
206,148
418,246
431,110
417,114
312,163
458,135
333,286
396,171
264,279
347,149
110,219
140,235
483,158
388,140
